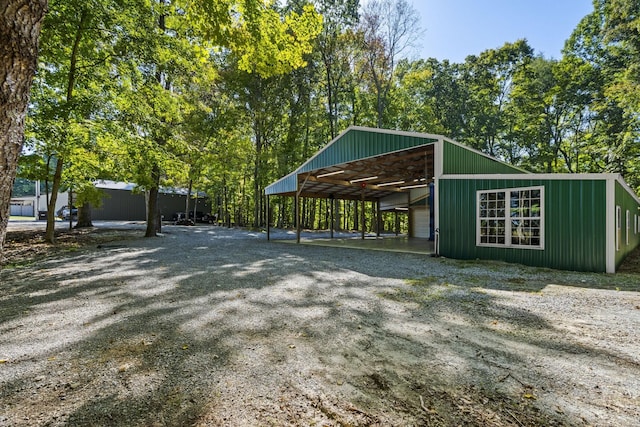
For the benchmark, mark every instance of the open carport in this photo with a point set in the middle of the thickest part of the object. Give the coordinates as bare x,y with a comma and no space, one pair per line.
393,170
397,171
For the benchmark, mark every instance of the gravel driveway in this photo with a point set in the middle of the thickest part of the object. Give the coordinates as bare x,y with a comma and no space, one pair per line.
209,326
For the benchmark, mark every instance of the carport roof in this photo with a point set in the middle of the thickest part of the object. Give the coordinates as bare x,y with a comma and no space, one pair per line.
377,162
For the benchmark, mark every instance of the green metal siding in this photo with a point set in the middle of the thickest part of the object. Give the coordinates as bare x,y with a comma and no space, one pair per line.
288,184
460,160
574,215
627,203
352,145
360,144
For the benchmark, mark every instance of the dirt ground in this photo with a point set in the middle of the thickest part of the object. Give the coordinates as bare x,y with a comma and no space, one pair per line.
207,326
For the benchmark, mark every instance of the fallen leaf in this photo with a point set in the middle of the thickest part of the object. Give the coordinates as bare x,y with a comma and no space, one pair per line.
292,346
3,360
528,396
185,347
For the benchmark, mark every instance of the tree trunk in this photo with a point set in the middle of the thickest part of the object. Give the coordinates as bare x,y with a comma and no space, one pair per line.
20,22
152,203
57,177
49,235
84,216
356,217
257,169
186,207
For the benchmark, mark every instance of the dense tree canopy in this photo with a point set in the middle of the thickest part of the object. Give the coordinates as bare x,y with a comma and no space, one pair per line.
225,96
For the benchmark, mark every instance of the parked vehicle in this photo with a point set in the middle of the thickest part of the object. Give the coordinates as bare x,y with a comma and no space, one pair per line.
63,212
210,218
199,216
179,218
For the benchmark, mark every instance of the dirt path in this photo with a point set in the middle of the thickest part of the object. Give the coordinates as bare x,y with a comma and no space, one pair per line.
209,326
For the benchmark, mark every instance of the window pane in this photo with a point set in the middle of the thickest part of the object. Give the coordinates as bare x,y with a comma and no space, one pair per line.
522,207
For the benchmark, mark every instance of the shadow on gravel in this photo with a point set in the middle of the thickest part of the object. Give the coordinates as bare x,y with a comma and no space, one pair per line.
215,327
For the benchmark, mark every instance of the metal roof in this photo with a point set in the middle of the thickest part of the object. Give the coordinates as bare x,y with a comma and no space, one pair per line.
128,186
375,162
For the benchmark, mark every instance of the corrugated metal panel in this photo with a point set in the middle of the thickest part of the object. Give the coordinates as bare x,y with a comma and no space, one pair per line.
574,215
462,160
627,202
420,222
353,144
360,144
125,205
288,184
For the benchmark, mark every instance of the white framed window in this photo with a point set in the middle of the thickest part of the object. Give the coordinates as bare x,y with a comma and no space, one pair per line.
512,217
618,227
628,225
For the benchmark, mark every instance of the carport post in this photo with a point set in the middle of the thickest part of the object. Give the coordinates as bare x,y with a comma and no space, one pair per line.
362,213
332,202
409,217
297,207
268,220
298,195
378,219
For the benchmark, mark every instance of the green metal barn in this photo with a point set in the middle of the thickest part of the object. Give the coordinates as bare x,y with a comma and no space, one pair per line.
472,205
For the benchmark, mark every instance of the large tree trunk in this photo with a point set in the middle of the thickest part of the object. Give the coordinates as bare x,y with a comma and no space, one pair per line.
257,170
49,235
84,216
20,22
186,208
152,204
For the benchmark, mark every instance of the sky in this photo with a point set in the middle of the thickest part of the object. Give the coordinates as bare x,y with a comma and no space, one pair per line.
454,29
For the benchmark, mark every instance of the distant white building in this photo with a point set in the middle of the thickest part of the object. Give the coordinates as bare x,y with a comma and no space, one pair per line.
121,201
31,205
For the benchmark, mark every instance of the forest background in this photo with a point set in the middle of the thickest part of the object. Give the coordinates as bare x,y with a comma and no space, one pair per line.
225,97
